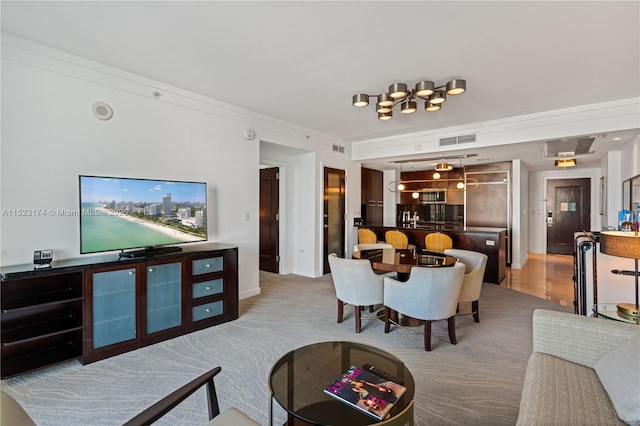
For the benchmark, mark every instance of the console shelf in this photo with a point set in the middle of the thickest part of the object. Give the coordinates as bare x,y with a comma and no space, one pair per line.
35,360
29,301
39,330
91,308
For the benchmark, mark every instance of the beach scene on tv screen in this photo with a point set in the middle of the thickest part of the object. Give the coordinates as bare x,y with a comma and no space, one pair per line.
122,213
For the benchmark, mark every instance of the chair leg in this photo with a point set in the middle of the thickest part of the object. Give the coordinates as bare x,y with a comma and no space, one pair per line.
358,322
451,325
371,308
340,310
387,314
474,309
427,335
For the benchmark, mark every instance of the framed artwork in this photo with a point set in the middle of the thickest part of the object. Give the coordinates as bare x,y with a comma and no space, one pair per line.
635,194
626,195
603,196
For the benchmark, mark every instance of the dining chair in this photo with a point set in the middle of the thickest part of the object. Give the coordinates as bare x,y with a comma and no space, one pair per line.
398,240
475,265
367,236
437,242
388,253
430,294
356,284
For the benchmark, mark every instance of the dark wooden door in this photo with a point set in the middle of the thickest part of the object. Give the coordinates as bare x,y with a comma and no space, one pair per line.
269,229
334,214
568,211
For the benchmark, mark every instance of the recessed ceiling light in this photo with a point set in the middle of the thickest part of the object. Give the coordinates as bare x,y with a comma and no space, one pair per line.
616,139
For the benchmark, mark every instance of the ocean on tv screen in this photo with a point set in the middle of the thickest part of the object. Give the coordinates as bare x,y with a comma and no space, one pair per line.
124,213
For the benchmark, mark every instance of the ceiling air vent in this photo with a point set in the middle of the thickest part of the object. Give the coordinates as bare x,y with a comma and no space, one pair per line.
570,146
457,140
338,148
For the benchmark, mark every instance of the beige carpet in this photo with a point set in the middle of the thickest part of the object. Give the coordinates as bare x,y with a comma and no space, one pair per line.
476,382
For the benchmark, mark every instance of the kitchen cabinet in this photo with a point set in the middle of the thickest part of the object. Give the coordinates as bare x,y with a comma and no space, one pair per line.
423,180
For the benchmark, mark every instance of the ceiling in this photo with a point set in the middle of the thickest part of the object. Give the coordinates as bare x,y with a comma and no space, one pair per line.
302,61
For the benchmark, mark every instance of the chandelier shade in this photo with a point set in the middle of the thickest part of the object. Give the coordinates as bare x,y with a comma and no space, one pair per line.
360,100
444,167
566,162
398,90
431,107
383,116
385,99
382,108
438,97
456,87
408,107
424,88
399,94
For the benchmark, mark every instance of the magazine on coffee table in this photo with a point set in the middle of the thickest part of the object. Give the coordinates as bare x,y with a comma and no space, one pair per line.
366,391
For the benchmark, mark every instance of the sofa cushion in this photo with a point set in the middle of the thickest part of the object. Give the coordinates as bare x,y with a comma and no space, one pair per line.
619,372
559,392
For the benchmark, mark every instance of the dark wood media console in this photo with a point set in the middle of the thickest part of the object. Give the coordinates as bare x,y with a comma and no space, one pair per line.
490,241
91,308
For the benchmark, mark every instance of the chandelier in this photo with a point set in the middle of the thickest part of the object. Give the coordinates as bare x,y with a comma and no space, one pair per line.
398,94
443,167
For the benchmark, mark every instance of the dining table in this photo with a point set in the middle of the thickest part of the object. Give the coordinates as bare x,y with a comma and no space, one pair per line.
402,261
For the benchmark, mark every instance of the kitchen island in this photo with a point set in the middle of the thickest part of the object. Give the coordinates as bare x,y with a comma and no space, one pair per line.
490,241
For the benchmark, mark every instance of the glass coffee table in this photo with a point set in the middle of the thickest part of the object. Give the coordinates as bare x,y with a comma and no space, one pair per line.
610,311
297,382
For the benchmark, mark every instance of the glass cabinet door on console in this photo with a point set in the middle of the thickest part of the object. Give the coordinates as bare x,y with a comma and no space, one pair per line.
163,296
113,295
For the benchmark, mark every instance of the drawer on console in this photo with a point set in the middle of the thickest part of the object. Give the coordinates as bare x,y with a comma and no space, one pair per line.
205,266
207,310
208,288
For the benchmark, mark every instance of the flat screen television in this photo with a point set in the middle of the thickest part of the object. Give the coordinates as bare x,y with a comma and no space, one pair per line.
119,213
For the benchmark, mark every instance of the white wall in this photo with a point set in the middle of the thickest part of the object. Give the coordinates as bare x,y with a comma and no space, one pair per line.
390,199
630,160
49,137
520,216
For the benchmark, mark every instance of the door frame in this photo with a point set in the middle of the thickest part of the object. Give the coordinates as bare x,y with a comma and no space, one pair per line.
324,263
578,174
284,209
278,214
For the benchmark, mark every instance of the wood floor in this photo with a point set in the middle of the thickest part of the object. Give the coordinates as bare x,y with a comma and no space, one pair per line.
548,276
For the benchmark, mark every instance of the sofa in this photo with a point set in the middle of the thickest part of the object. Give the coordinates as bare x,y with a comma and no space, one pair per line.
583,371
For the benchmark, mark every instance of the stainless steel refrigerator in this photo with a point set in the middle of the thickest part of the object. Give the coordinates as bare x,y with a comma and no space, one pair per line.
489,204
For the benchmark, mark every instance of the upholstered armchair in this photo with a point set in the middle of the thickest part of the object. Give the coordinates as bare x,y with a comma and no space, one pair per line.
475,264
230,416
430,294
12,413
356,284
438,242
